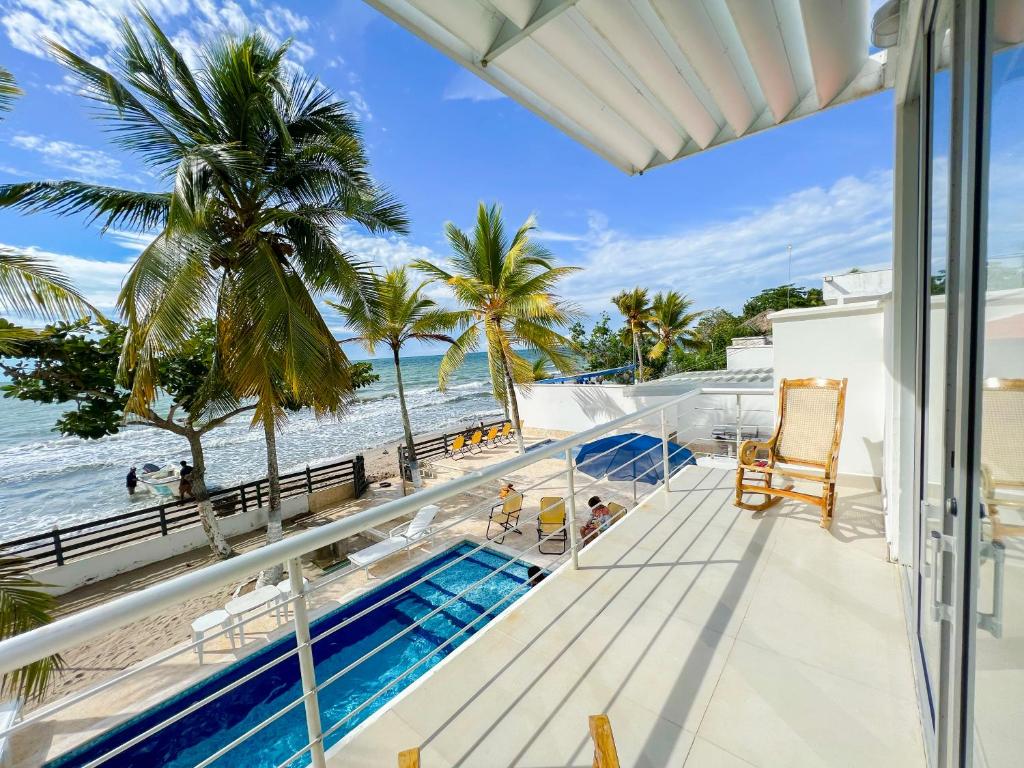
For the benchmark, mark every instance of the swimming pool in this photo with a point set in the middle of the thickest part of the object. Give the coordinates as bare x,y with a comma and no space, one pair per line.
201,733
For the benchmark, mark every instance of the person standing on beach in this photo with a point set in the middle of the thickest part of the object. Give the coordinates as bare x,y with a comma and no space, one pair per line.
185,486
131,481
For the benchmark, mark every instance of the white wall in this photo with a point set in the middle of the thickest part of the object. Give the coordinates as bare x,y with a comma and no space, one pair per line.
857,286
78,573
835,342
744,357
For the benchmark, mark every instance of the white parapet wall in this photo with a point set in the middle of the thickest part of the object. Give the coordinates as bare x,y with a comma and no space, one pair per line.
843,341
77,573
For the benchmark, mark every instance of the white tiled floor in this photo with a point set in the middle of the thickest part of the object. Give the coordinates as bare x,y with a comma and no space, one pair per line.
709,635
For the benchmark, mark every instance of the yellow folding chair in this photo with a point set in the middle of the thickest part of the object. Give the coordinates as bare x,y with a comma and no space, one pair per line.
458,447
506,515
551,522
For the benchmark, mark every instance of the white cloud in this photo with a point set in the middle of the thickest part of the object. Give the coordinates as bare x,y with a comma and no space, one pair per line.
91,27
832,229
467,86
359,106
84,162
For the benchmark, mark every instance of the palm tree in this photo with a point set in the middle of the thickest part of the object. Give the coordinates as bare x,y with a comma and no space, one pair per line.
540,368
24,606
636,308
505,285
399,314
264,167
672,323
31,286
8,90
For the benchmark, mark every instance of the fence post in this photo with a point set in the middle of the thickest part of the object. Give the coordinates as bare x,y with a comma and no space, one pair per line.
163,520
259,495
570,497
242,489
58,550
309,481
664,450
307,670
359,475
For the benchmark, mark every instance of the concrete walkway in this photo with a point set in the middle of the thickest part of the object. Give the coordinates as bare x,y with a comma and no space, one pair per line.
709,635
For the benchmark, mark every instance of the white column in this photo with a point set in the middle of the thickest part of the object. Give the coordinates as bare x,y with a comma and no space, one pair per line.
570,508
664,449
306,668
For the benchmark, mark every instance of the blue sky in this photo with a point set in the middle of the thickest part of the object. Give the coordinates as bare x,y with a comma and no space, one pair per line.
714,226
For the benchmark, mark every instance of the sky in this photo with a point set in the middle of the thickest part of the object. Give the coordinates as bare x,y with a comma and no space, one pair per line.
714,226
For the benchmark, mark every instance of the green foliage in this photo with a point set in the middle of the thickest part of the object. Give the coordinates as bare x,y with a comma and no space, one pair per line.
714,332
363,375
8,90
671,323
24,606
787,296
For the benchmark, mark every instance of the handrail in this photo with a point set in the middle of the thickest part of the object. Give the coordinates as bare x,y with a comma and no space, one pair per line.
70,631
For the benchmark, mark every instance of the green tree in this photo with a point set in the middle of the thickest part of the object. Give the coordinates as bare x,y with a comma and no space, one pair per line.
541,368
399,313
636,309
787,296
713,334
506,286
672,323
603,347
9,90
77,363
264,167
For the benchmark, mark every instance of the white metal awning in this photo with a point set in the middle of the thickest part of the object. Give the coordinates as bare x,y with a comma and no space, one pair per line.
646,82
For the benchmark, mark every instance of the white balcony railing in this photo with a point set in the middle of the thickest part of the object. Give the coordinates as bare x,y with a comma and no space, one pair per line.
95,623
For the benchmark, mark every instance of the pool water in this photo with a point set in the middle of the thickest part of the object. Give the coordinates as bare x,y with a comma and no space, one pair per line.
201,733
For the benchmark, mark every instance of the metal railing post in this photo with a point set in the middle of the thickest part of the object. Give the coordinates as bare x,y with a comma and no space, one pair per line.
664,449
58,549
739,427
306,668
570,498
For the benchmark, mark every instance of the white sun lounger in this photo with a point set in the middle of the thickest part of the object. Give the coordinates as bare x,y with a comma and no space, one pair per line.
399,538
8,716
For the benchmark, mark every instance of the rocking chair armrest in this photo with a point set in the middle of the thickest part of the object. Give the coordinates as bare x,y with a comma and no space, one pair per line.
749,450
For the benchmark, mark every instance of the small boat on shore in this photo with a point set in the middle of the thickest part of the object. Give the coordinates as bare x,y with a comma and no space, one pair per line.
159,480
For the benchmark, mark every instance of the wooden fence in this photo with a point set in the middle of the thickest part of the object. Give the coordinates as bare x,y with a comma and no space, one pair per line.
56,547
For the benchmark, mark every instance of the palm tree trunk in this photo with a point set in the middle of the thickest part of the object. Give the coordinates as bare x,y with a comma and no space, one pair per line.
275,528
639,357
218,543
410,444
513,402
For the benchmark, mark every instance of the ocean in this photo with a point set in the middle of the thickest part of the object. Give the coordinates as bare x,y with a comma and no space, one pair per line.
46,479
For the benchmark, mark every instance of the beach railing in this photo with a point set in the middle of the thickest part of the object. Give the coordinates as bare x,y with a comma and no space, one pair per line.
72,542
438,445
99,621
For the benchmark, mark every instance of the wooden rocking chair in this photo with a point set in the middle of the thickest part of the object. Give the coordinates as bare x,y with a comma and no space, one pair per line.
1002,461
808,434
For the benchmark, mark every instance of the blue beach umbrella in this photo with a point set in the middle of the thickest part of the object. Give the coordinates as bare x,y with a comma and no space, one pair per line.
631,456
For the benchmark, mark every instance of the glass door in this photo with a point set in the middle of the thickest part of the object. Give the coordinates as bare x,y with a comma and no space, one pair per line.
938,351
997,577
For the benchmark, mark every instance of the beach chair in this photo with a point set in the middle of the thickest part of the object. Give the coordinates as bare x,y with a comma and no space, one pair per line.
492,436
400,537
506,515
618,511
551,522
506,433
458,447
475,441
9,711
1002,461
807,435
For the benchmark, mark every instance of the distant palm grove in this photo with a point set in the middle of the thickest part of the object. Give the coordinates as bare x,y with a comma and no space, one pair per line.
259,169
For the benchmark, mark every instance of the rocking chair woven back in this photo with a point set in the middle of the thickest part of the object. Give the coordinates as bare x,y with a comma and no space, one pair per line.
810,421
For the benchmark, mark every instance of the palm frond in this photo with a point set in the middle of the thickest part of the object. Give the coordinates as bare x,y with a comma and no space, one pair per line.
33,287
9,90
24,606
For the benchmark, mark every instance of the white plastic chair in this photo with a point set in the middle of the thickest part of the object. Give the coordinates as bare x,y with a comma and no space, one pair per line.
207,622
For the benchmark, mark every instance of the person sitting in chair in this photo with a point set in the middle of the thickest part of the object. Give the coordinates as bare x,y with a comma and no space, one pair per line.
600,519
